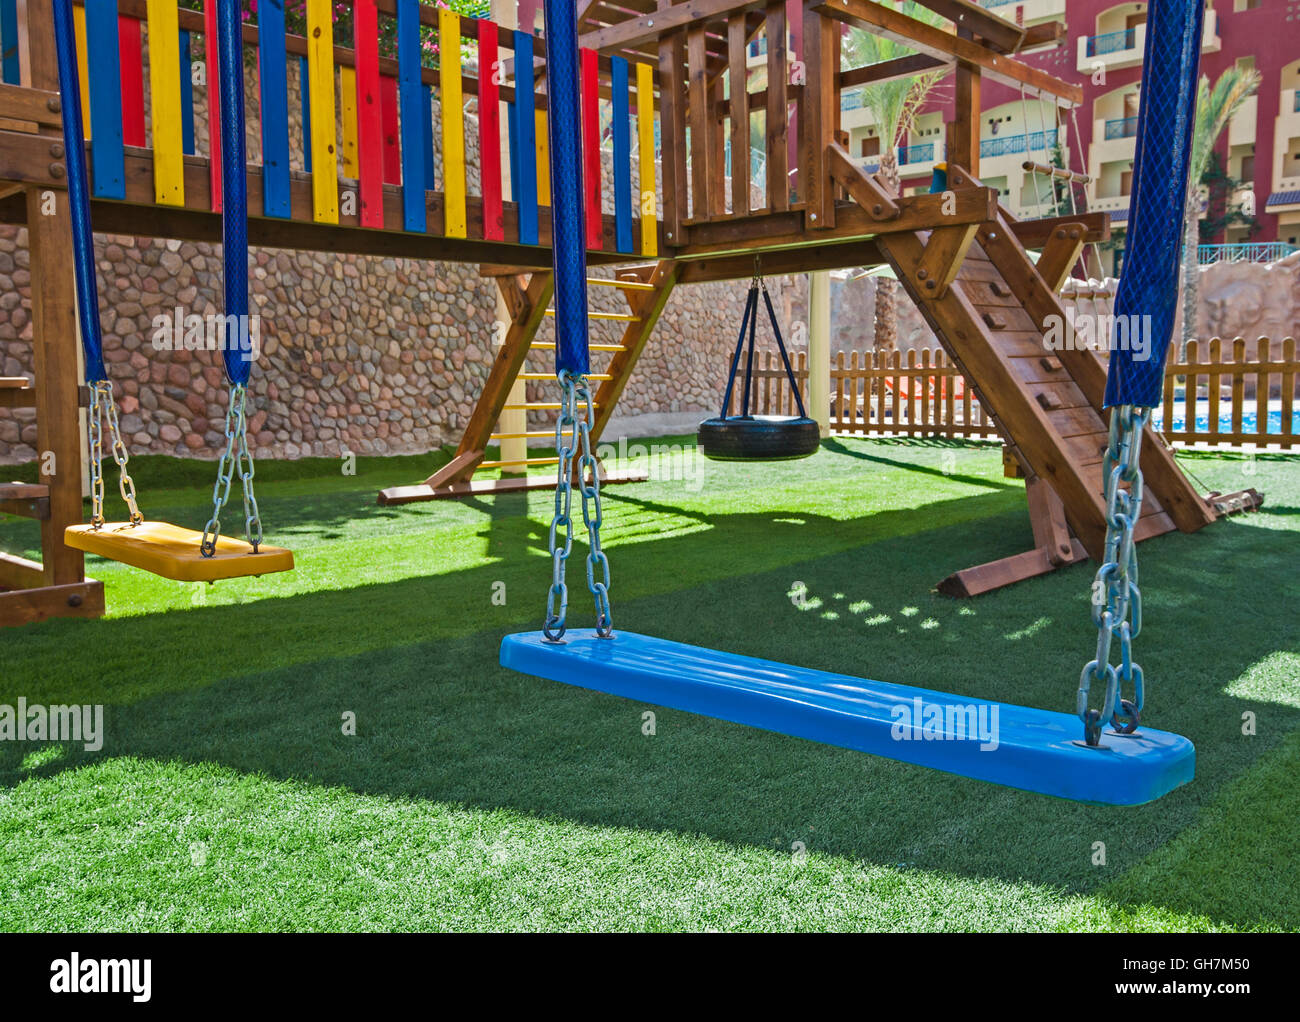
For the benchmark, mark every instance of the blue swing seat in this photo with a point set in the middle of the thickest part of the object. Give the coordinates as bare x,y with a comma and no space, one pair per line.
1035,750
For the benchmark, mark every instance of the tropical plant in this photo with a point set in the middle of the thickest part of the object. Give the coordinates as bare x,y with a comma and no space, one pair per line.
1215,106
893,106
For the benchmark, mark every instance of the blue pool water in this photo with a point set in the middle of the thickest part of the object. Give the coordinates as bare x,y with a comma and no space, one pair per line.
1249,421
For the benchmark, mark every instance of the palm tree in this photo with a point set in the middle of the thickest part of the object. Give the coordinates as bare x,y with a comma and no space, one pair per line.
1214,109
893,107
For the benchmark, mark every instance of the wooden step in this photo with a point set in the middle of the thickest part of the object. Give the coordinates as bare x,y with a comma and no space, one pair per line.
616,317
27,500
622,285
551,376
550,346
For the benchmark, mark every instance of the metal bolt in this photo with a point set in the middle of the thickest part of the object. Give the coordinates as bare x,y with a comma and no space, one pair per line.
56,170
812,216
56,150
74,600
53,105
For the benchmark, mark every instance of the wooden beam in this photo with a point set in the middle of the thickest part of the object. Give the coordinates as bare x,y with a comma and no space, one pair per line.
865,190
997,33
942,257
964,131
654,26
75,599
808,259
39,106
917,35
788,230
737,32
891,70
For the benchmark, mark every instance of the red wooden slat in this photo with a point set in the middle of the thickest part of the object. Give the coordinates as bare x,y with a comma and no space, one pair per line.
132,57
590,71
392,131
371,148
214,102
489,127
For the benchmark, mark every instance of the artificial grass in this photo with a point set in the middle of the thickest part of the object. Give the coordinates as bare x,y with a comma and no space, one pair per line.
227,797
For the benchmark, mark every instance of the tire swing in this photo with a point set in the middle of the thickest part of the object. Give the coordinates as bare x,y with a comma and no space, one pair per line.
747,437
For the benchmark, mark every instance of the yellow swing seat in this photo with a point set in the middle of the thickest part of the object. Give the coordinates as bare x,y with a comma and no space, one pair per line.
173,552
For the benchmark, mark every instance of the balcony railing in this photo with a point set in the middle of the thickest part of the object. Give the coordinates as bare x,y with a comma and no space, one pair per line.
1006,145
1121,127
1296,105
850,100
1244,252
922,153
998,3
1112,42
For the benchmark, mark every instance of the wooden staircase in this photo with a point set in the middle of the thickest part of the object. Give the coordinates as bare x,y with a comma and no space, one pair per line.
991,307
646,290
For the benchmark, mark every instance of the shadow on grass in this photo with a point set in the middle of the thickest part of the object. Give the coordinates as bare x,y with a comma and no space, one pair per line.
262,688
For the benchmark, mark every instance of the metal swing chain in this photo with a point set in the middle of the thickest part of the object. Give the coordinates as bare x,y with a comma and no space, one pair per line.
573,439
1116,599
103,408
235,457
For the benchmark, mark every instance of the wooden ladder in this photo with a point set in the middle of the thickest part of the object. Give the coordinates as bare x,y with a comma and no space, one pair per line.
646,289
990,307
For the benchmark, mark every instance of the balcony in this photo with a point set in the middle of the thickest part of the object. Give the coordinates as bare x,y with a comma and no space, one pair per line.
1008,145
1246,252
909,154
1121,127
1116,50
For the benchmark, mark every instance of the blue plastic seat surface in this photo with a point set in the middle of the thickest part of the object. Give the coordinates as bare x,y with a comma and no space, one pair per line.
1022,747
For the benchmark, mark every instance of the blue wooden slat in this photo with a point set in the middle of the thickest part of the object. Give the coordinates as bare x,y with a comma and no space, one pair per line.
104,65
524,155
426,122
9,69
187,97
304,92
622,155
410,106
273,78
514,149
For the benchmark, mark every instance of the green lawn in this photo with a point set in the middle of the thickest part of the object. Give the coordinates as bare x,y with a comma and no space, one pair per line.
227,797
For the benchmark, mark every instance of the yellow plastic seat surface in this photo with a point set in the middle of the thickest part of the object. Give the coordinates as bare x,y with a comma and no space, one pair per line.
173,552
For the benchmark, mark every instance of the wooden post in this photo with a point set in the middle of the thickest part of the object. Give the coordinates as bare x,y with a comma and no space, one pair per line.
964,132
672,120
819,349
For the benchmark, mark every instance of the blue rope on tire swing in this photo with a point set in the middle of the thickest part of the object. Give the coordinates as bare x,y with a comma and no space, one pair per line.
749,437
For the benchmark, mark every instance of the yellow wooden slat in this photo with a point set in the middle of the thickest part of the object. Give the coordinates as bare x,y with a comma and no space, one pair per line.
165,103
348,101
542,146
622,285
320,77
550,346
79,26
453,124
616,317
550,376
645,130
519,461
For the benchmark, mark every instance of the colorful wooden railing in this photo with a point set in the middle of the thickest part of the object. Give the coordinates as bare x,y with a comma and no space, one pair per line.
367,117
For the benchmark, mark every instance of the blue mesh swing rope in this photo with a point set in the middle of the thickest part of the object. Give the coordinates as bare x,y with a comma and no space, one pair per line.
572,343
102,415
237,351
1147,295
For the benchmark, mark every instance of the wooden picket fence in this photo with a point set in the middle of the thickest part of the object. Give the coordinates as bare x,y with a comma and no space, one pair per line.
921,393
913,393
1237,399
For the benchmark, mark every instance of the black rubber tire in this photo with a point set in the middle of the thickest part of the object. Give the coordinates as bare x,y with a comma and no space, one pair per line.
758,438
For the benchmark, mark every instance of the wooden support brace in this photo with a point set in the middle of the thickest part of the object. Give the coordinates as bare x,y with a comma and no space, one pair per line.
1061,253
942,258
863,189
